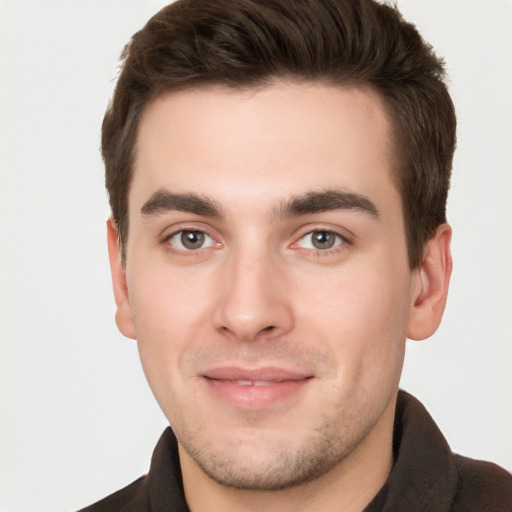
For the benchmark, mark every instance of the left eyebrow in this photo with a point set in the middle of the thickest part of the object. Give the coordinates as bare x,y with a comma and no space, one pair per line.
163,201
316,202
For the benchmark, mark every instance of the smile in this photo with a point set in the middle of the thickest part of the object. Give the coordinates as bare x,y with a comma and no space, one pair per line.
255,389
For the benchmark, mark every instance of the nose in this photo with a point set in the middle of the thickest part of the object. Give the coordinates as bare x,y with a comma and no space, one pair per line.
254,298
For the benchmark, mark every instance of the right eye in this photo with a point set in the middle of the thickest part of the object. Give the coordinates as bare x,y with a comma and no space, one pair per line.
190,240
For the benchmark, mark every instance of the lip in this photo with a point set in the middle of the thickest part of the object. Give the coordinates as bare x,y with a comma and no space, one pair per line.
257,388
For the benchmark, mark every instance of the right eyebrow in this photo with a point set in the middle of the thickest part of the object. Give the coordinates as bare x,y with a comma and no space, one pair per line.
163,201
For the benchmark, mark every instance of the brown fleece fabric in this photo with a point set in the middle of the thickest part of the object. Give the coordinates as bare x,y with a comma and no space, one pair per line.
426,477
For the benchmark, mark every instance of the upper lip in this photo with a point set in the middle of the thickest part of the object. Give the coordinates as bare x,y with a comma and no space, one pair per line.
269,374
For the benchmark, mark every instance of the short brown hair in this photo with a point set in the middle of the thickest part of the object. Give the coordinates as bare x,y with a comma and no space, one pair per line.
250,43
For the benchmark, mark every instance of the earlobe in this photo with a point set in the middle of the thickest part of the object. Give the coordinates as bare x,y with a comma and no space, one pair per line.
433,279
124,317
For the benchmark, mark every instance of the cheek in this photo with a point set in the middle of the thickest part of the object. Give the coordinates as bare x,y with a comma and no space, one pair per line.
362,317
169,320
165,300
169,314
364,299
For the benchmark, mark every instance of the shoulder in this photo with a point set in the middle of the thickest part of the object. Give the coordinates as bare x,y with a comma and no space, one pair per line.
482,486
132,498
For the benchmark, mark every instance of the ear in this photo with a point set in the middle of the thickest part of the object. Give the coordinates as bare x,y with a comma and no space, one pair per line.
431,290
124,317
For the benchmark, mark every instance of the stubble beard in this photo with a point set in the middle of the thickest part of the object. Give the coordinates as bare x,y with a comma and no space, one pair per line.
278,469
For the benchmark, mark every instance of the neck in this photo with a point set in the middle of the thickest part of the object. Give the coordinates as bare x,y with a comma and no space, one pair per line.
349,486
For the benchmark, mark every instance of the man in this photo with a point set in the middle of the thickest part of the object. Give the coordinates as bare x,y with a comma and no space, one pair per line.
278,174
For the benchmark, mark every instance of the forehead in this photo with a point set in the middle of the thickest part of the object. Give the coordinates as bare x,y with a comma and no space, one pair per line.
247,145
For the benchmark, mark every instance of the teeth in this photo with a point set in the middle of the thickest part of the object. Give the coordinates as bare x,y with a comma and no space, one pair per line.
244,382
252,382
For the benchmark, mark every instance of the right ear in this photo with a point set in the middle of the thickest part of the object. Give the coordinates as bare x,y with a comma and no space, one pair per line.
124,317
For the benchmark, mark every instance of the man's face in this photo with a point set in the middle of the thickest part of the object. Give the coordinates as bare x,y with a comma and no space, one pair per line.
267,279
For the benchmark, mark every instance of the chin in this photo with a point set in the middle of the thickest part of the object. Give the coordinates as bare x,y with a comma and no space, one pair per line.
261,464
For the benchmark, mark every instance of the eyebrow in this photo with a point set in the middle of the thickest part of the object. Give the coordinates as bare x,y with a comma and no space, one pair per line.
163,201
327,200
312,202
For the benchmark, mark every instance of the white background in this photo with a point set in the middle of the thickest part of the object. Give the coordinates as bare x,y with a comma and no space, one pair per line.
77,419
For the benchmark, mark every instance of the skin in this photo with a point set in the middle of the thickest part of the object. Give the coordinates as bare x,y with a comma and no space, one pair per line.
274,286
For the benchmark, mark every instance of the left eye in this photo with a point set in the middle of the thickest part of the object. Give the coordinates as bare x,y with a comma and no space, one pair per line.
189,240
320,240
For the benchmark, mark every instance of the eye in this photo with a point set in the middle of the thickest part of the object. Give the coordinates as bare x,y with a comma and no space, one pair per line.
190,240
320,240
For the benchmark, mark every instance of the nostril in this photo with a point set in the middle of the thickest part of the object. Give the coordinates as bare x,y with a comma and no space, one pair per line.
268,328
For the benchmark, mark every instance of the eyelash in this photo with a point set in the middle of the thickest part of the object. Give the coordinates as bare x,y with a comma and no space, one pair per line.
166,242
340,243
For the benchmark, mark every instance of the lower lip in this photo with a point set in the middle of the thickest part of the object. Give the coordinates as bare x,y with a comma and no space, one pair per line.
255,397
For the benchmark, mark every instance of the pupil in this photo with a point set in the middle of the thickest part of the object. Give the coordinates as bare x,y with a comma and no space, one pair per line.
323,240
192,239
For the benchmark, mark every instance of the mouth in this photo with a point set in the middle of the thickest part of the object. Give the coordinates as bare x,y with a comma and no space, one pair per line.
253,382
255,389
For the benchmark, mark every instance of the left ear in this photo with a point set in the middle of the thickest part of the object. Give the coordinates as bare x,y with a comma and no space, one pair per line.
433,277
